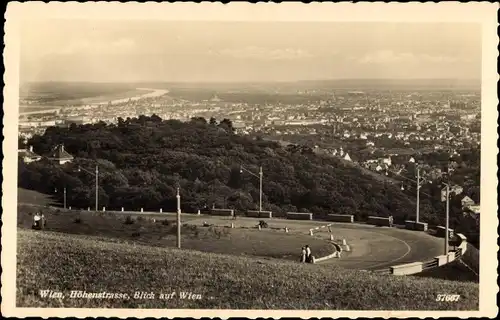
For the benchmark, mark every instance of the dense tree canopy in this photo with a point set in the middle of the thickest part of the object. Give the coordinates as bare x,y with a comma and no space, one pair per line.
143,160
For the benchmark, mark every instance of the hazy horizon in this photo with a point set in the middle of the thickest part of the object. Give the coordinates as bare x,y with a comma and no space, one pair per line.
268,81
247,52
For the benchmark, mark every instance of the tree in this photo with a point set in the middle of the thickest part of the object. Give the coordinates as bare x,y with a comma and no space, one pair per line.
199,120
155,118
213,121
227,125
142,159
21,143
235,178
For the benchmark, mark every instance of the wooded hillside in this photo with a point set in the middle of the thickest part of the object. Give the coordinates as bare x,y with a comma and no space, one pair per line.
141,160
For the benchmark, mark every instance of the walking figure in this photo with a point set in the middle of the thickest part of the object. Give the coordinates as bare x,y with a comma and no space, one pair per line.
38,221
308,254
303,255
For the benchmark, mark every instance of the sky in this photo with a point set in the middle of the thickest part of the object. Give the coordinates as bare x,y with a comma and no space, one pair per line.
169,51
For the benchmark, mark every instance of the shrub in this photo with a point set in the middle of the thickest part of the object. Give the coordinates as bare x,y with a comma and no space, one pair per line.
263,224
129,220
136,234
190,228
77,220
217,233
139,218
165,222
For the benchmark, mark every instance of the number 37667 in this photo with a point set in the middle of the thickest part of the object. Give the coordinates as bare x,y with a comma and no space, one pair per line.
447,297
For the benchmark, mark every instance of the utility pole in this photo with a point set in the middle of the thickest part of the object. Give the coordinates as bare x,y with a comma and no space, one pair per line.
96,188
260,182
96,175
418,195
178,219
447,225
260,193
64,197
447,236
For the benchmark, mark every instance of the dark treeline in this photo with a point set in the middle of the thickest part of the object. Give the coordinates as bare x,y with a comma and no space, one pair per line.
142,160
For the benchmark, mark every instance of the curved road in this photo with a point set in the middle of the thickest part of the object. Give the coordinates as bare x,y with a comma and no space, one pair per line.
372,247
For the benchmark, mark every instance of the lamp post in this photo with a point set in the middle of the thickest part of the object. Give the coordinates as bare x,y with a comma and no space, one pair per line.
96,175
447,226
447,223
417,213
96,188
419,182
260,182
178,219
64,191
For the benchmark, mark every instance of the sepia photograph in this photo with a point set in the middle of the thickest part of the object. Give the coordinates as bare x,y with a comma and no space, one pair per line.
187,161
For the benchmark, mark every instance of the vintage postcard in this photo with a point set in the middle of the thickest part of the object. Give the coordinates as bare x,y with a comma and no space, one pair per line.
252,160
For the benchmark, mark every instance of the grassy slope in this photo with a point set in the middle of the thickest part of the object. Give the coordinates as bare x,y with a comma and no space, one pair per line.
471,258
34,197
464,269
454,271
66,262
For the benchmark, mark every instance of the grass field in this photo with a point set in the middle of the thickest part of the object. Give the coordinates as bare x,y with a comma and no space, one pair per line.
369,246
240,268
63,263
219,239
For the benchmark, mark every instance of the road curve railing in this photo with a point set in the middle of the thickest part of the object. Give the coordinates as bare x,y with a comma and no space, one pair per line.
417,267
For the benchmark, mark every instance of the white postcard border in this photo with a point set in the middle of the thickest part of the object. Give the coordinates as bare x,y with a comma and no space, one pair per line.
484,13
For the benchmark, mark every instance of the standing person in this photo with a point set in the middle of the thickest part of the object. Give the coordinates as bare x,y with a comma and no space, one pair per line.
44,221
303,255
37,220
308,254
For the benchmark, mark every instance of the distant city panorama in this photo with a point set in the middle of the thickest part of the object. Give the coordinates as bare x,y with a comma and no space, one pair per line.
383,131
361,122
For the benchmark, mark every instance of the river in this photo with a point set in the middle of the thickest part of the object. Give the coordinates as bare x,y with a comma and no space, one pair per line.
153,93
35,109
